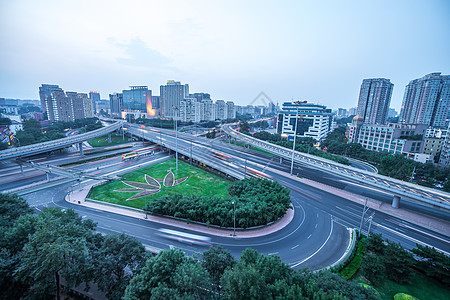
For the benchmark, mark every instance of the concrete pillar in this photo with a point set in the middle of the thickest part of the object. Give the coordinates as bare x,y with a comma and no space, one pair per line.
281,160
396,201
80,146
48,178
109,137
21,169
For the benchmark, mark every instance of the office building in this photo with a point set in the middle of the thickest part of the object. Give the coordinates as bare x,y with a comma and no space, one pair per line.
313,120
156,102
342,112
45,92
200,96
95,97
395,138
427,101
137,100
374,100
116,103
170,96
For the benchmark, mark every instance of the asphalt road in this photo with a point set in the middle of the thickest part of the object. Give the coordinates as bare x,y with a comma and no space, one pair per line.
316,237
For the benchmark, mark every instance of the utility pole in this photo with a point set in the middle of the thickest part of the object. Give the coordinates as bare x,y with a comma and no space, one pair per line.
362,217
412,175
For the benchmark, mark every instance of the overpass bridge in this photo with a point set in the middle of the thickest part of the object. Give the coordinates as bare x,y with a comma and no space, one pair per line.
25,151
399,189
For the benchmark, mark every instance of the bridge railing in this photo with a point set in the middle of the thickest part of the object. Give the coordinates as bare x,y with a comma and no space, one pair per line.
59,143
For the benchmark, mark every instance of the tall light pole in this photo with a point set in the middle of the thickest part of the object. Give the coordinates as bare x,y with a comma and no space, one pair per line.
175,109
295,136
234,218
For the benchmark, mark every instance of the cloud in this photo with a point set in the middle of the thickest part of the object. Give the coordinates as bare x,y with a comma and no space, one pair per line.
138,54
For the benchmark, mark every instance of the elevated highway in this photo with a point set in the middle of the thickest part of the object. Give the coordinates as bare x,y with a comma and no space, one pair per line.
25,151
397,188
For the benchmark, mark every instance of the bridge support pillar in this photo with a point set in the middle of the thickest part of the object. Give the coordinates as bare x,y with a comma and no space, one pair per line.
396,201
21,169
109,137
80,146
48,178
281,160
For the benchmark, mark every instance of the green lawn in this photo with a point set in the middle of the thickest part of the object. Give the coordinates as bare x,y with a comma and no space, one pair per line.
420,287
199,182
103,140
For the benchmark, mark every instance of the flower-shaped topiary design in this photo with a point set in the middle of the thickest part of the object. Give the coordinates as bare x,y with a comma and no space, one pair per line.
152,186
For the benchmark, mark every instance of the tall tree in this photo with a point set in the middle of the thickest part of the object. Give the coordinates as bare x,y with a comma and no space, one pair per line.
434,263
169,273
398,263
117,260
216,260
58,247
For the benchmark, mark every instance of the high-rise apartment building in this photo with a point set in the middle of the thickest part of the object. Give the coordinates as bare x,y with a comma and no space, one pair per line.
170,96
427,101
207,110
189,110
116,103
374,99
45,92
231,111
221,110
66,106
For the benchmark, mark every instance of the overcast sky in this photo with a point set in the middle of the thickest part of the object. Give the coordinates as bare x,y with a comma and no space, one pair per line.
318,51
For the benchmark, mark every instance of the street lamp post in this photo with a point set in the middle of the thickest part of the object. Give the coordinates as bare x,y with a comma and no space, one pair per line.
176,137
145,207
234,218
295,136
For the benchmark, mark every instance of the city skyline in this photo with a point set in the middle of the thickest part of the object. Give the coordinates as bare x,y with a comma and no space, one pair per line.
289,50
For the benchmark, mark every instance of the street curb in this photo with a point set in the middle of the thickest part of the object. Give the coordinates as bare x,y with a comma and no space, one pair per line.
348,251
180,223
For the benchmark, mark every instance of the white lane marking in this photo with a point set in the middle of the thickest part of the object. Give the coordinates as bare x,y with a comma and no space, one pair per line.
275,253
315,226
308,237
295,247
411,239
300,262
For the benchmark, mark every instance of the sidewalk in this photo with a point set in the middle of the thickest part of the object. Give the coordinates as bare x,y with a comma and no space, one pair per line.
79,197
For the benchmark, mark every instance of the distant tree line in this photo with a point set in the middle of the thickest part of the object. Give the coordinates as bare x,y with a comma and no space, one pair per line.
395,166
305,145
33,133
258,202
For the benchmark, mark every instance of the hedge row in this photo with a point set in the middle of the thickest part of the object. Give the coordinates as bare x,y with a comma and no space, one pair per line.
258,202
352,267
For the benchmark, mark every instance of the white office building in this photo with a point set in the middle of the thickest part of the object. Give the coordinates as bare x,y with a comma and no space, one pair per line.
313,120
